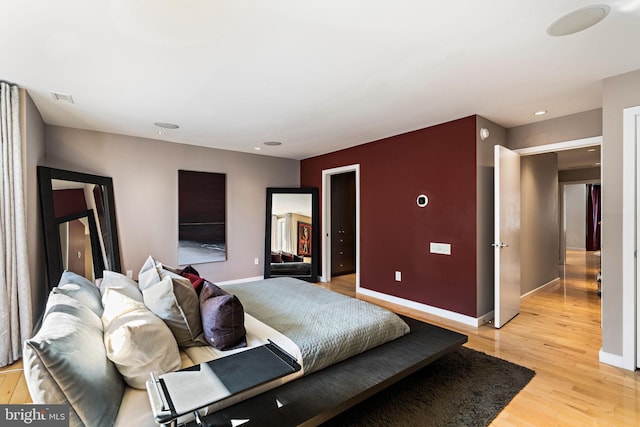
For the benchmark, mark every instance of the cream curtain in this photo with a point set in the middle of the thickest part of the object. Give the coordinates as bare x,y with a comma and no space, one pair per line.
15,286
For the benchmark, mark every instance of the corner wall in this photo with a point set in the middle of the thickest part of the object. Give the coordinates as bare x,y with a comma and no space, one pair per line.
145,179
485,212
539,226
439,161
619,92
34,151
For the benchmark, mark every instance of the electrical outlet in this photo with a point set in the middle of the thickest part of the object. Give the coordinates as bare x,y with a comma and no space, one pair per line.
256,261
398,276
130,274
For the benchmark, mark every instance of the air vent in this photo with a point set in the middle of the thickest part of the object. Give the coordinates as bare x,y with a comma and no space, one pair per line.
58,96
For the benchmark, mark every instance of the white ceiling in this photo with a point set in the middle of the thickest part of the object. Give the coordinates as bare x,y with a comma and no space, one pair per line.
316,75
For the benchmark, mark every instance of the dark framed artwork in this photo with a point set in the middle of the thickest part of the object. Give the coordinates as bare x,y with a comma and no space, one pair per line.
201,217
304,239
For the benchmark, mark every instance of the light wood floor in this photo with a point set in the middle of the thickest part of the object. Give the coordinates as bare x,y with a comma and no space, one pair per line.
557,334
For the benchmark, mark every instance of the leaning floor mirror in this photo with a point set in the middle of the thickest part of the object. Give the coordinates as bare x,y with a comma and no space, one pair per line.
79,223
291,243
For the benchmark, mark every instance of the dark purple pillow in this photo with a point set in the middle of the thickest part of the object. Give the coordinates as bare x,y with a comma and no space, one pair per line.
222,318
276,257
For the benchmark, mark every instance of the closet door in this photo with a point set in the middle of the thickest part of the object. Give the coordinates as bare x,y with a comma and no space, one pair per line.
343,223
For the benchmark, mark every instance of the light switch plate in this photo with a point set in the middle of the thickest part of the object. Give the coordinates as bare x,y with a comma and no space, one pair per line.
398,276
440,248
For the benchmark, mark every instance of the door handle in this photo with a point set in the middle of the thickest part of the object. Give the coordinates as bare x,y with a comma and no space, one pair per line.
500,245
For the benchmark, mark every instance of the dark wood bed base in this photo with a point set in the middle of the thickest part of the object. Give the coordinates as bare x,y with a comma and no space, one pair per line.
316,398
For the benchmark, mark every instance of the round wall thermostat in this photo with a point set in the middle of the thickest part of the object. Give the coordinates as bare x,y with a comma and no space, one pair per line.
422,200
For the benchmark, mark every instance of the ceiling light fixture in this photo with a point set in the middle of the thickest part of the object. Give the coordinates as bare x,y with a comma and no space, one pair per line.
484,133
257,148
578,20
165,125
272,143
540,113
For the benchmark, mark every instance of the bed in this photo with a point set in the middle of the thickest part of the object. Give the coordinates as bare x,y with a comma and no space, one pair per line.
349,349
68,360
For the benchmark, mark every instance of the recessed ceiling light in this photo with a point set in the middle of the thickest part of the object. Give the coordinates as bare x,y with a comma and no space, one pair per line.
272,143
58,96
540,113
578,20
257,148
166,125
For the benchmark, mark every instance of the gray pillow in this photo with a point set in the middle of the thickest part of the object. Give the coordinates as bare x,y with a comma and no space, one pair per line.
172,298
81,289
66,363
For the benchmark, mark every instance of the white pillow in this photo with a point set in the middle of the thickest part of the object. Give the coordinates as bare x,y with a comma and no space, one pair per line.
126,285
172,298
136,340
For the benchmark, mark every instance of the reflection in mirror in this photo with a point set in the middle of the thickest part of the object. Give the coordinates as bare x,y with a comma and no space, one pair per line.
72,200
80,245
292,245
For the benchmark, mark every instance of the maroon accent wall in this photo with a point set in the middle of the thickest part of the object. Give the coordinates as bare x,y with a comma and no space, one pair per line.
68,202
439,161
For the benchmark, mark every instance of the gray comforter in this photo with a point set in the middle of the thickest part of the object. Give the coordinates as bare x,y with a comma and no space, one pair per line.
326,326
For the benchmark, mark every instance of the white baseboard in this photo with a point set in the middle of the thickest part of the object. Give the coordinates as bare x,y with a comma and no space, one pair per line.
233,282
427,309
611,359
550,282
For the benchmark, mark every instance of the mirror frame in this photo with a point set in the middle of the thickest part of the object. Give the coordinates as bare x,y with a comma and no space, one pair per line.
50,224
315,233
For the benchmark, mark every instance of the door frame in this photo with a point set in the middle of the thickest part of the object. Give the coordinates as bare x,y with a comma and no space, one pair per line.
630,227
326,220
562,146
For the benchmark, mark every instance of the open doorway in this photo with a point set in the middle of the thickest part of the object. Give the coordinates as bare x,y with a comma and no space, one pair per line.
341,227
578,162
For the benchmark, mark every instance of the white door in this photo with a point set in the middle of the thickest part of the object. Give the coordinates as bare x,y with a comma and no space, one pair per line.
507,235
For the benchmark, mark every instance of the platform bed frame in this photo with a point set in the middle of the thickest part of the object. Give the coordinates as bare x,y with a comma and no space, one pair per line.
320,396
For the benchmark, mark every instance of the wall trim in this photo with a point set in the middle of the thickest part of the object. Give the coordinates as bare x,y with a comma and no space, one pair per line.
539,288
246,279
424,308
611,359
630,208
560,146
325,209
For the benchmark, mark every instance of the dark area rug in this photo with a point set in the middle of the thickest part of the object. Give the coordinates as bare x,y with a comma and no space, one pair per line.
464,388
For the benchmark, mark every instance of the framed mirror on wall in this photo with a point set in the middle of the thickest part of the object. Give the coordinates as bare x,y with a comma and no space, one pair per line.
292,233
79,223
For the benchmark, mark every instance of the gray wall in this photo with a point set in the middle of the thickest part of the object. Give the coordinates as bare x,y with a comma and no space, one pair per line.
618,93
145,178
33,137
484,213
539,220
567,128
575,198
